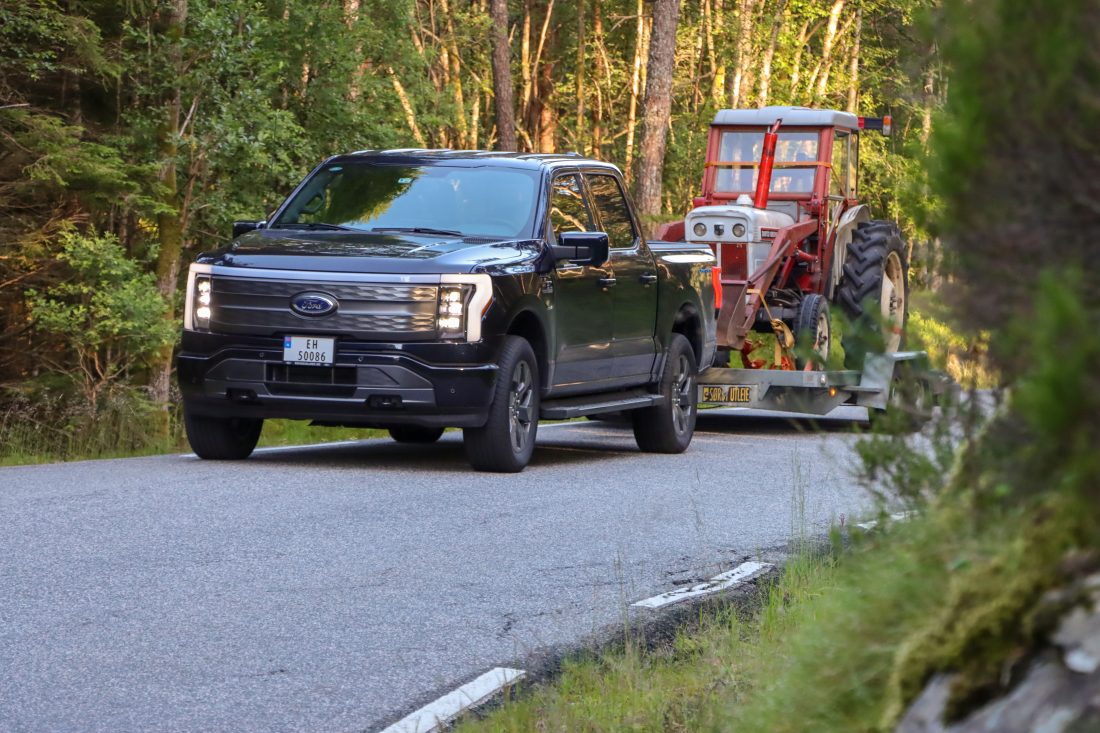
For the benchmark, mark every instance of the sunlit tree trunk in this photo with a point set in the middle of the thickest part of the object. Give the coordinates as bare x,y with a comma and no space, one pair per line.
853,65
503,98
827,48
578,73
658,107
769,54
635,83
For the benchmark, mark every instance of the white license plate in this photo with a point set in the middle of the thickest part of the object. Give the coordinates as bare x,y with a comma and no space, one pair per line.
308,350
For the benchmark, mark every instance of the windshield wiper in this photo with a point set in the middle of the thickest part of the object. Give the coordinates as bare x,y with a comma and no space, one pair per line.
420,230
315,225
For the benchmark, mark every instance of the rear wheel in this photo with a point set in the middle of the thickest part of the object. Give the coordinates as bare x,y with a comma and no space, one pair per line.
668,427
813,332
874,292
415,434
222,438
507,440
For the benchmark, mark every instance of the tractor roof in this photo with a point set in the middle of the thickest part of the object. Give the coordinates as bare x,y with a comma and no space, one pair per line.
794,116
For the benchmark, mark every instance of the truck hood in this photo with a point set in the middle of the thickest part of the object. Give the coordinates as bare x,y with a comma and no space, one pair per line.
375,252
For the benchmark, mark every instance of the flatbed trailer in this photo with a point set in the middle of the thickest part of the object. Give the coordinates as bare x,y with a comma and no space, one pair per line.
819,392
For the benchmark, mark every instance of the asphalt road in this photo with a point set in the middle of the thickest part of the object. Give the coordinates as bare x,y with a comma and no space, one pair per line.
337,588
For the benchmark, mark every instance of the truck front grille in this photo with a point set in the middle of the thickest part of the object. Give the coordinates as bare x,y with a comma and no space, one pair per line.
367,311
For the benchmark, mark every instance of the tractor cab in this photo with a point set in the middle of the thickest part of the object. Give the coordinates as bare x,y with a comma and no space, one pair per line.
813,177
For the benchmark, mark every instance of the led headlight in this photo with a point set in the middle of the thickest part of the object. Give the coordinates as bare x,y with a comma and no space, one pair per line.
203,302
451,320
738,230
700,229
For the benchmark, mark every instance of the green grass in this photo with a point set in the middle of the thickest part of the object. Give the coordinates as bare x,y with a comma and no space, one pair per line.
830,645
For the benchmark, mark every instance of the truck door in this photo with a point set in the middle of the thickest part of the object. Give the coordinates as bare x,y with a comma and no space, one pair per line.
582,301
635,272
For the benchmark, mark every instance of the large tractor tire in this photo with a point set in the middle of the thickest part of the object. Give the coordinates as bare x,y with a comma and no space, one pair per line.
874,292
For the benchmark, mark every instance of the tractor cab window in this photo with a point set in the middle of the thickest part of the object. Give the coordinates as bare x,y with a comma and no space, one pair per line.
739,159
840,172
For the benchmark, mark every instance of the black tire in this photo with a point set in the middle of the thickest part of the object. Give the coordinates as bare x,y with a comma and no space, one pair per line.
876,248
668,427
507,440
222,438
722,357
415,434
813,332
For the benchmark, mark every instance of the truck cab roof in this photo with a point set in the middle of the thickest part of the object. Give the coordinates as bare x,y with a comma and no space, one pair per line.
471,158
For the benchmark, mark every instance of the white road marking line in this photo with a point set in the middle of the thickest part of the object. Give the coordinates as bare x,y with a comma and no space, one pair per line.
743,572
435,715
895,517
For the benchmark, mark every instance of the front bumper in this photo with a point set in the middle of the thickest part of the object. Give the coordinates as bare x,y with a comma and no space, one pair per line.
369,385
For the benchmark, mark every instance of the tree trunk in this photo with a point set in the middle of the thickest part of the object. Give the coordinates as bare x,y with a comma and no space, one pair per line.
658,108
502,77
796,64
580,130
169,223
406,105
769,54
745,20
853,65
635,81
827,48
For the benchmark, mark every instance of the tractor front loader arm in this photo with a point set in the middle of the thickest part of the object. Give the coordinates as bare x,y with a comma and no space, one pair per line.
738,313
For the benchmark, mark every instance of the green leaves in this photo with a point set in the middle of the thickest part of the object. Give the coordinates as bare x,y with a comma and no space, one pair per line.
106,311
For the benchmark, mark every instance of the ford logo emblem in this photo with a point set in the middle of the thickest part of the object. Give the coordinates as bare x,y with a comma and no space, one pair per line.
313,304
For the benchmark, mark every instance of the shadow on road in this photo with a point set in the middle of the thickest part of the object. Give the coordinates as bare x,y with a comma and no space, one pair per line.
446,455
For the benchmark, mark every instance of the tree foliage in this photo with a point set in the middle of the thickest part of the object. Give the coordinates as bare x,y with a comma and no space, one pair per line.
155,124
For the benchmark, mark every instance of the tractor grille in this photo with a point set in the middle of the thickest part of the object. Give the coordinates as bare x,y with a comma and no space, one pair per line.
367,311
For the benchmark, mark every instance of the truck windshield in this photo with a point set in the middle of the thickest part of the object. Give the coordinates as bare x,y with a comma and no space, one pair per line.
435,199
739,155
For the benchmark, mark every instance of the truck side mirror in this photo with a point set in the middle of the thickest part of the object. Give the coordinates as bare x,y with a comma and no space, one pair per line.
589,248
243,227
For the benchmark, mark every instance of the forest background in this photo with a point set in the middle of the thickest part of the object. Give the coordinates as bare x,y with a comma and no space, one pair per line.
133,133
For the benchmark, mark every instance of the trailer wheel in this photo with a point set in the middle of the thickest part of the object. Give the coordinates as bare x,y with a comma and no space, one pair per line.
874,292
415,434
507,440
668,427
813,332
221,438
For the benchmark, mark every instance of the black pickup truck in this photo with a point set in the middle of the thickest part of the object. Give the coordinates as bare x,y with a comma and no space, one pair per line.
416,290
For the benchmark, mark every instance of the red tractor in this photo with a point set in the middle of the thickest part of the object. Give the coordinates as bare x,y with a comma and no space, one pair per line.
780,208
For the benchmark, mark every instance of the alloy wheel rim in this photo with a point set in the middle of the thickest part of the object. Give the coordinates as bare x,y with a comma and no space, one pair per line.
520,396
683,402
892,300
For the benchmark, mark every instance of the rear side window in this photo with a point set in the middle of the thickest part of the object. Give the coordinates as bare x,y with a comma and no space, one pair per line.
568,211
608,198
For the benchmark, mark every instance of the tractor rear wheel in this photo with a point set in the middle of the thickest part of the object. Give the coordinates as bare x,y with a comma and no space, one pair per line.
874,292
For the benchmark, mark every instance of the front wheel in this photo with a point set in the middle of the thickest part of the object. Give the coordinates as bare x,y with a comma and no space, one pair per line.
668,426
222,438
507,440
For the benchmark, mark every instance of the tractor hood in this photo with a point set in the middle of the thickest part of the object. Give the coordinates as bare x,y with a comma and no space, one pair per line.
719,222
376,252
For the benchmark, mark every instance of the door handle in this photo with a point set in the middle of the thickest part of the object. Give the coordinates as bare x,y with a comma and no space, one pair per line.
648,278
607,282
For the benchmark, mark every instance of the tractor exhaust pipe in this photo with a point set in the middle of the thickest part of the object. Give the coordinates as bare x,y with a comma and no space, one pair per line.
767,162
